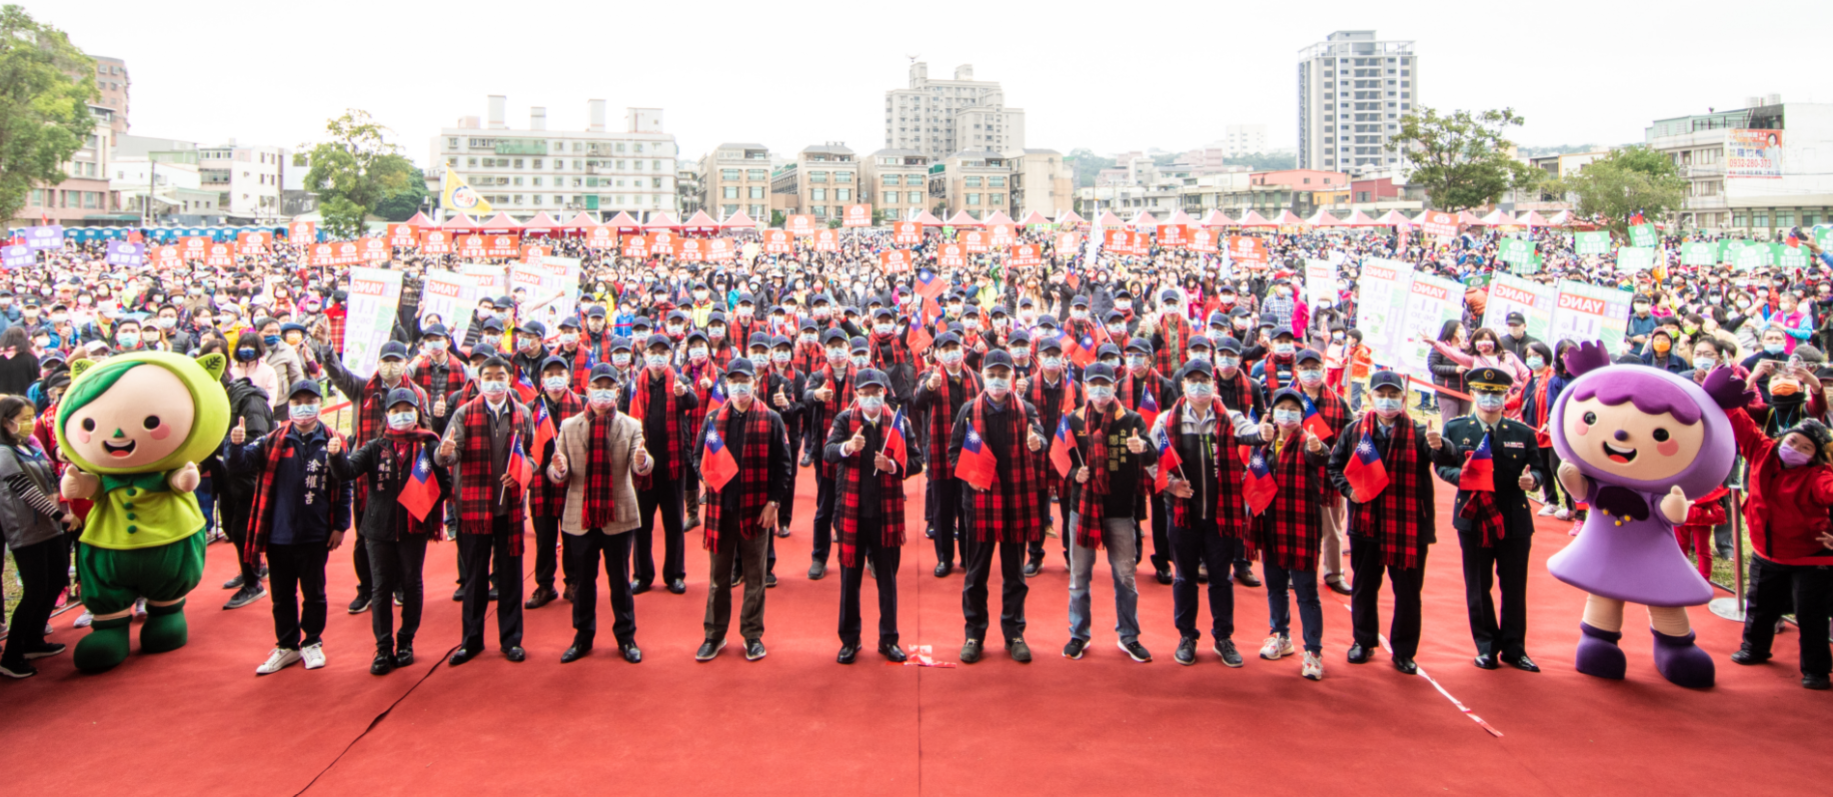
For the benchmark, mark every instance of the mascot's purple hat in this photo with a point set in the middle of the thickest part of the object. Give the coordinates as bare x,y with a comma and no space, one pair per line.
1654,391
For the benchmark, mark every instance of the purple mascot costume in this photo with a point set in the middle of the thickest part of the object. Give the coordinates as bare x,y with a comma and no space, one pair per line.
1635,442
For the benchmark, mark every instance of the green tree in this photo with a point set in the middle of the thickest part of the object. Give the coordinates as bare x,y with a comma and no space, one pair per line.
1086,165
1463,159
353,171
777,219
401,204
44,111
833,224
1627,180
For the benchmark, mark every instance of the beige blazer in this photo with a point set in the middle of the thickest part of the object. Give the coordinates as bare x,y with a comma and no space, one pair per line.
626,438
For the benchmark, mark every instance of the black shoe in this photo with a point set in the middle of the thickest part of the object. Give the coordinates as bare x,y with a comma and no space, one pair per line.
929,533
575,653
970,651
769,581
400,597
404,655
709,649
848,653
262,573
542,597
234,583
244,596
1815,682
944,568
816,570
1225,648
639,587
492,596
17,669
1034,567
1162,573
1336,585
1486,661
631,652
458,594
807,459
1521,662
892,652
782,532
515,653
360,604
1020,651
1074,649
754,649
693,522
461,656
1745,656
1186,651
677,586
871,570
1137,651
1406,666
383,664
1202,573
45,649
1358,654
1244,575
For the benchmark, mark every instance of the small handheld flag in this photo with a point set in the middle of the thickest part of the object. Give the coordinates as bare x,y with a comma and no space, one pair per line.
421,492
1168,460
716,397
1366,472
1148,407
717,466
544,430
1479,479
1314,421
519,467
976,465
1261,489
896,447
1060,446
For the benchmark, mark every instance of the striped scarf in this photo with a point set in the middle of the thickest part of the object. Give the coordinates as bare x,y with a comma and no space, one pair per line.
546,499
1091,504
852,472
1390,517
278,447
942,418
478,490
639,410
1289,531
827,411
600,481
888,353
1228,500
752,481
1008,511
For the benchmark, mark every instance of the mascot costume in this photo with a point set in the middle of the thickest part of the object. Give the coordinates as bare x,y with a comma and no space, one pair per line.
133,429
1636,443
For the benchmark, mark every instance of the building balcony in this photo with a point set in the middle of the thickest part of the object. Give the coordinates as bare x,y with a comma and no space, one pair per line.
1706,203
1703,170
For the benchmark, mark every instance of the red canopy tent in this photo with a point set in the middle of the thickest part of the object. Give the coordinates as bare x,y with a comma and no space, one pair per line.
460,223
1419,219
580,222
501,223
700,222
1322,218
1532,219
1497,218
1034,219
1466,218
421,222
1217,218
1108,219
1287,218
1068,218
661,221
961,219
541,224
1254,219
1360,219
1143,221
1180,219
1395,218
739,220
996,217
927,219
622,222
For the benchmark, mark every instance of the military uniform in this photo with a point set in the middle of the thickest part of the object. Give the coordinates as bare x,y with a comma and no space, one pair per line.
1514,450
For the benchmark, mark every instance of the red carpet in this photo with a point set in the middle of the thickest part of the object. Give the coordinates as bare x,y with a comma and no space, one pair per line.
197,721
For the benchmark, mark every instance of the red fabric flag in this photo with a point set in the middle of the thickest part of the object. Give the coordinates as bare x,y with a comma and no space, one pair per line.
544,430
1314,422
1366,472
1148,407
1261,489
519,467
1479,478
1168,460
976,465
919,338
1060,446
717,466
896,447
421,492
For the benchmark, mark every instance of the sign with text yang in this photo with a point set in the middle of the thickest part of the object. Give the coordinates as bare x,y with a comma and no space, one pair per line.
1430,302
1590,312
1511,294
450,297
370,316
1382,293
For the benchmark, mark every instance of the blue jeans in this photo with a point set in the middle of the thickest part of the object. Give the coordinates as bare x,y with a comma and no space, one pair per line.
1310,611
1357,388
206,502
1118,535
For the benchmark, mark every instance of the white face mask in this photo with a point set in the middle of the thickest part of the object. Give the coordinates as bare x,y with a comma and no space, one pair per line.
872,404
971,325
402,421
604,399
128,339
1123,304
738,390
1288,418
1199,391
997,387
554,383
780,357
1079,315
493,389
1310,377
1283,348
1388,408
1227,363
620,359
1100,394
1490,402
569,338
951,356
716,333
656,361
1051,364
697,354
884,329
806,338
862,360
303,413
1198,354
436,345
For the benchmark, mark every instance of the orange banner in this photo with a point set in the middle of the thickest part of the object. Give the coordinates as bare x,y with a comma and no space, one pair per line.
691,250
601,238
1024,255
1203,240
253,243
194,248
301,233
1068,242
1251,252
778,242
321,255
503,245
348,252
636,246
827,240
220,255
663,242
533,254
974,241
1441,224
1173,236
719,250
894,261
857,216
906,233
801,225
403,235
436,242
951,256
167,257
1000,236
472,245
375,250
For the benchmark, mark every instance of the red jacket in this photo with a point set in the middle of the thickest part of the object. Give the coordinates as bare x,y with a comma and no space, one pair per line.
1787,507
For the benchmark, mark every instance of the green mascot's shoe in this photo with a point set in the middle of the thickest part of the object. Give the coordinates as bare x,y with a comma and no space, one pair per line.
104,647
165,628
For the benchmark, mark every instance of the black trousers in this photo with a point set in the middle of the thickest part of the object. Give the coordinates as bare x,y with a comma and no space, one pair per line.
884,568
1202,544
947,519
1776,590
1507,563
1062,526
1365,595
1161,534
296,582
664,494
824,519
547,554
396,565
583,551
235,514
977,561
479,552
44,568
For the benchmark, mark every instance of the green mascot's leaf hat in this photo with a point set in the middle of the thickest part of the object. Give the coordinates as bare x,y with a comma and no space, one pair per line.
201,377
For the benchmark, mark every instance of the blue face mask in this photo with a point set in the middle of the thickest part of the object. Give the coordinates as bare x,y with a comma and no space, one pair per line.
1535,363
245,355
271,340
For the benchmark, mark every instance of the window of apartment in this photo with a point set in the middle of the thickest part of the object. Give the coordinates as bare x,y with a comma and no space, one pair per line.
534,164
757,174
890,197
537,198
843,177
729,192
536,183
843,195
996,199
817,194
971,182
619,166
817,177
996,181
636,165
452,142
889,179
655,182
1785,218
655,165
638,148
757,192
516,200
973,199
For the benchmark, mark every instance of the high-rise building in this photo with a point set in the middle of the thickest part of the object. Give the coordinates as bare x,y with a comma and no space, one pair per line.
1352,91
735,177
1239,140
941,117
822,181
248,179
112,82
594,170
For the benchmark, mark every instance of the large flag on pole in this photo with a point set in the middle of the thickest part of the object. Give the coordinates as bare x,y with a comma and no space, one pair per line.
456,196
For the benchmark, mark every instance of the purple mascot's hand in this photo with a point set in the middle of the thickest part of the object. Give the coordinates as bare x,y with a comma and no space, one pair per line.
1727,389
1586,357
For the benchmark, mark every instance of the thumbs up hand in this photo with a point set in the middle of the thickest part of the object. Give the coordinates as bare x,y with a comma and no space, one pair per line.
935,380
1267,432
239,434
335,445
782,396
447,447
439,407
1434,439
1313,443
705,383
1675,505
1034,441
857,444
1135,444
1023,385
680,388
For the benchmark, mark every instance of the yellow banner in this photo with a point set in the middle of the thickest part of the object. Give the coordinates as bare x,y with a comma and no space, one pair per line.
456,196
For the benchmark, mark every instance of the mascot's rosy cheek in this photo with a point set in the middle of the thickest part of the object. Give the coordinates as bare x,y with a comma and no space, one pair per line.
81,437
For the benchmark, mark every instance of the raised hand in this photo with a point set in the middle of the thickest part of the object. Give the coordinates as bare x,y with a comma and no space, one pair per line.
1674,505
1023,385
239,434
335,445
1135,444
782,396
857,444
1527,481
824,393
705,383
935,380
680,388
1434,439
439,407
447,447
1034,441
1268,431
1313,443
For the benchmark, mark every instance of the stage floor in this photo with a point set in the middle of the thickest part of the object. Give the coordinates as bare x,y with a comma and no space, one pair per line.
198,721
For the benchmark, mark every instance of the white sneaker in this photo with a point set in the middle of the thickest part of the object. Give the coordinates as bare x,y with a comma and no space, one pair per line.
278,660
1547,510
314,656
83,620
1276,647
1313,668
1563,514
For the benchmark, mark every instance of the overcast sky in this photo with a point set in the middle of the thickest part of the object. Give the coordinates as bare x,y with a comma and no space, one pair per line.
1107,76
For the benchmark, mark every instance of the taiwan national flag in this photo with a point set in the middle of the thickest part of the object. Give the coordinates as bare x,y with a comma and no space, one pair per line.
421,492
717,467
1366,473
976,465
919,338
1081,350
895,446
1168,459
1148,407
525,390
1060,447
1480,470
1479,479
929,285
544,430
1636,219
1261,489
519,467
716,397
1314,421
1793,240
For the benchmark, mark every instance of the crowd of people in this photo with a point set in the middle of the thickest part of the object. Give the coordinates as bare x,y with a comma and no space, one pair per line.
1178,409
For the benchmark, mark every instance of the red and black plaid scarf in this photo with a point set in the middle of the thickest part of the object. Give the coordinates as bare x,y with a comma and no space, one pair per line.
1226,493
1270,374
752,481
852,472
1175,334
1243,388
396,464
1132,397
1333,409
478,489
889,353
1391,517
1008,511
693,374
420,372
1480,508
1091,504
278,447
639,410
546,499
600,481
942,421
809,357
1288,533
827,411
373,420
